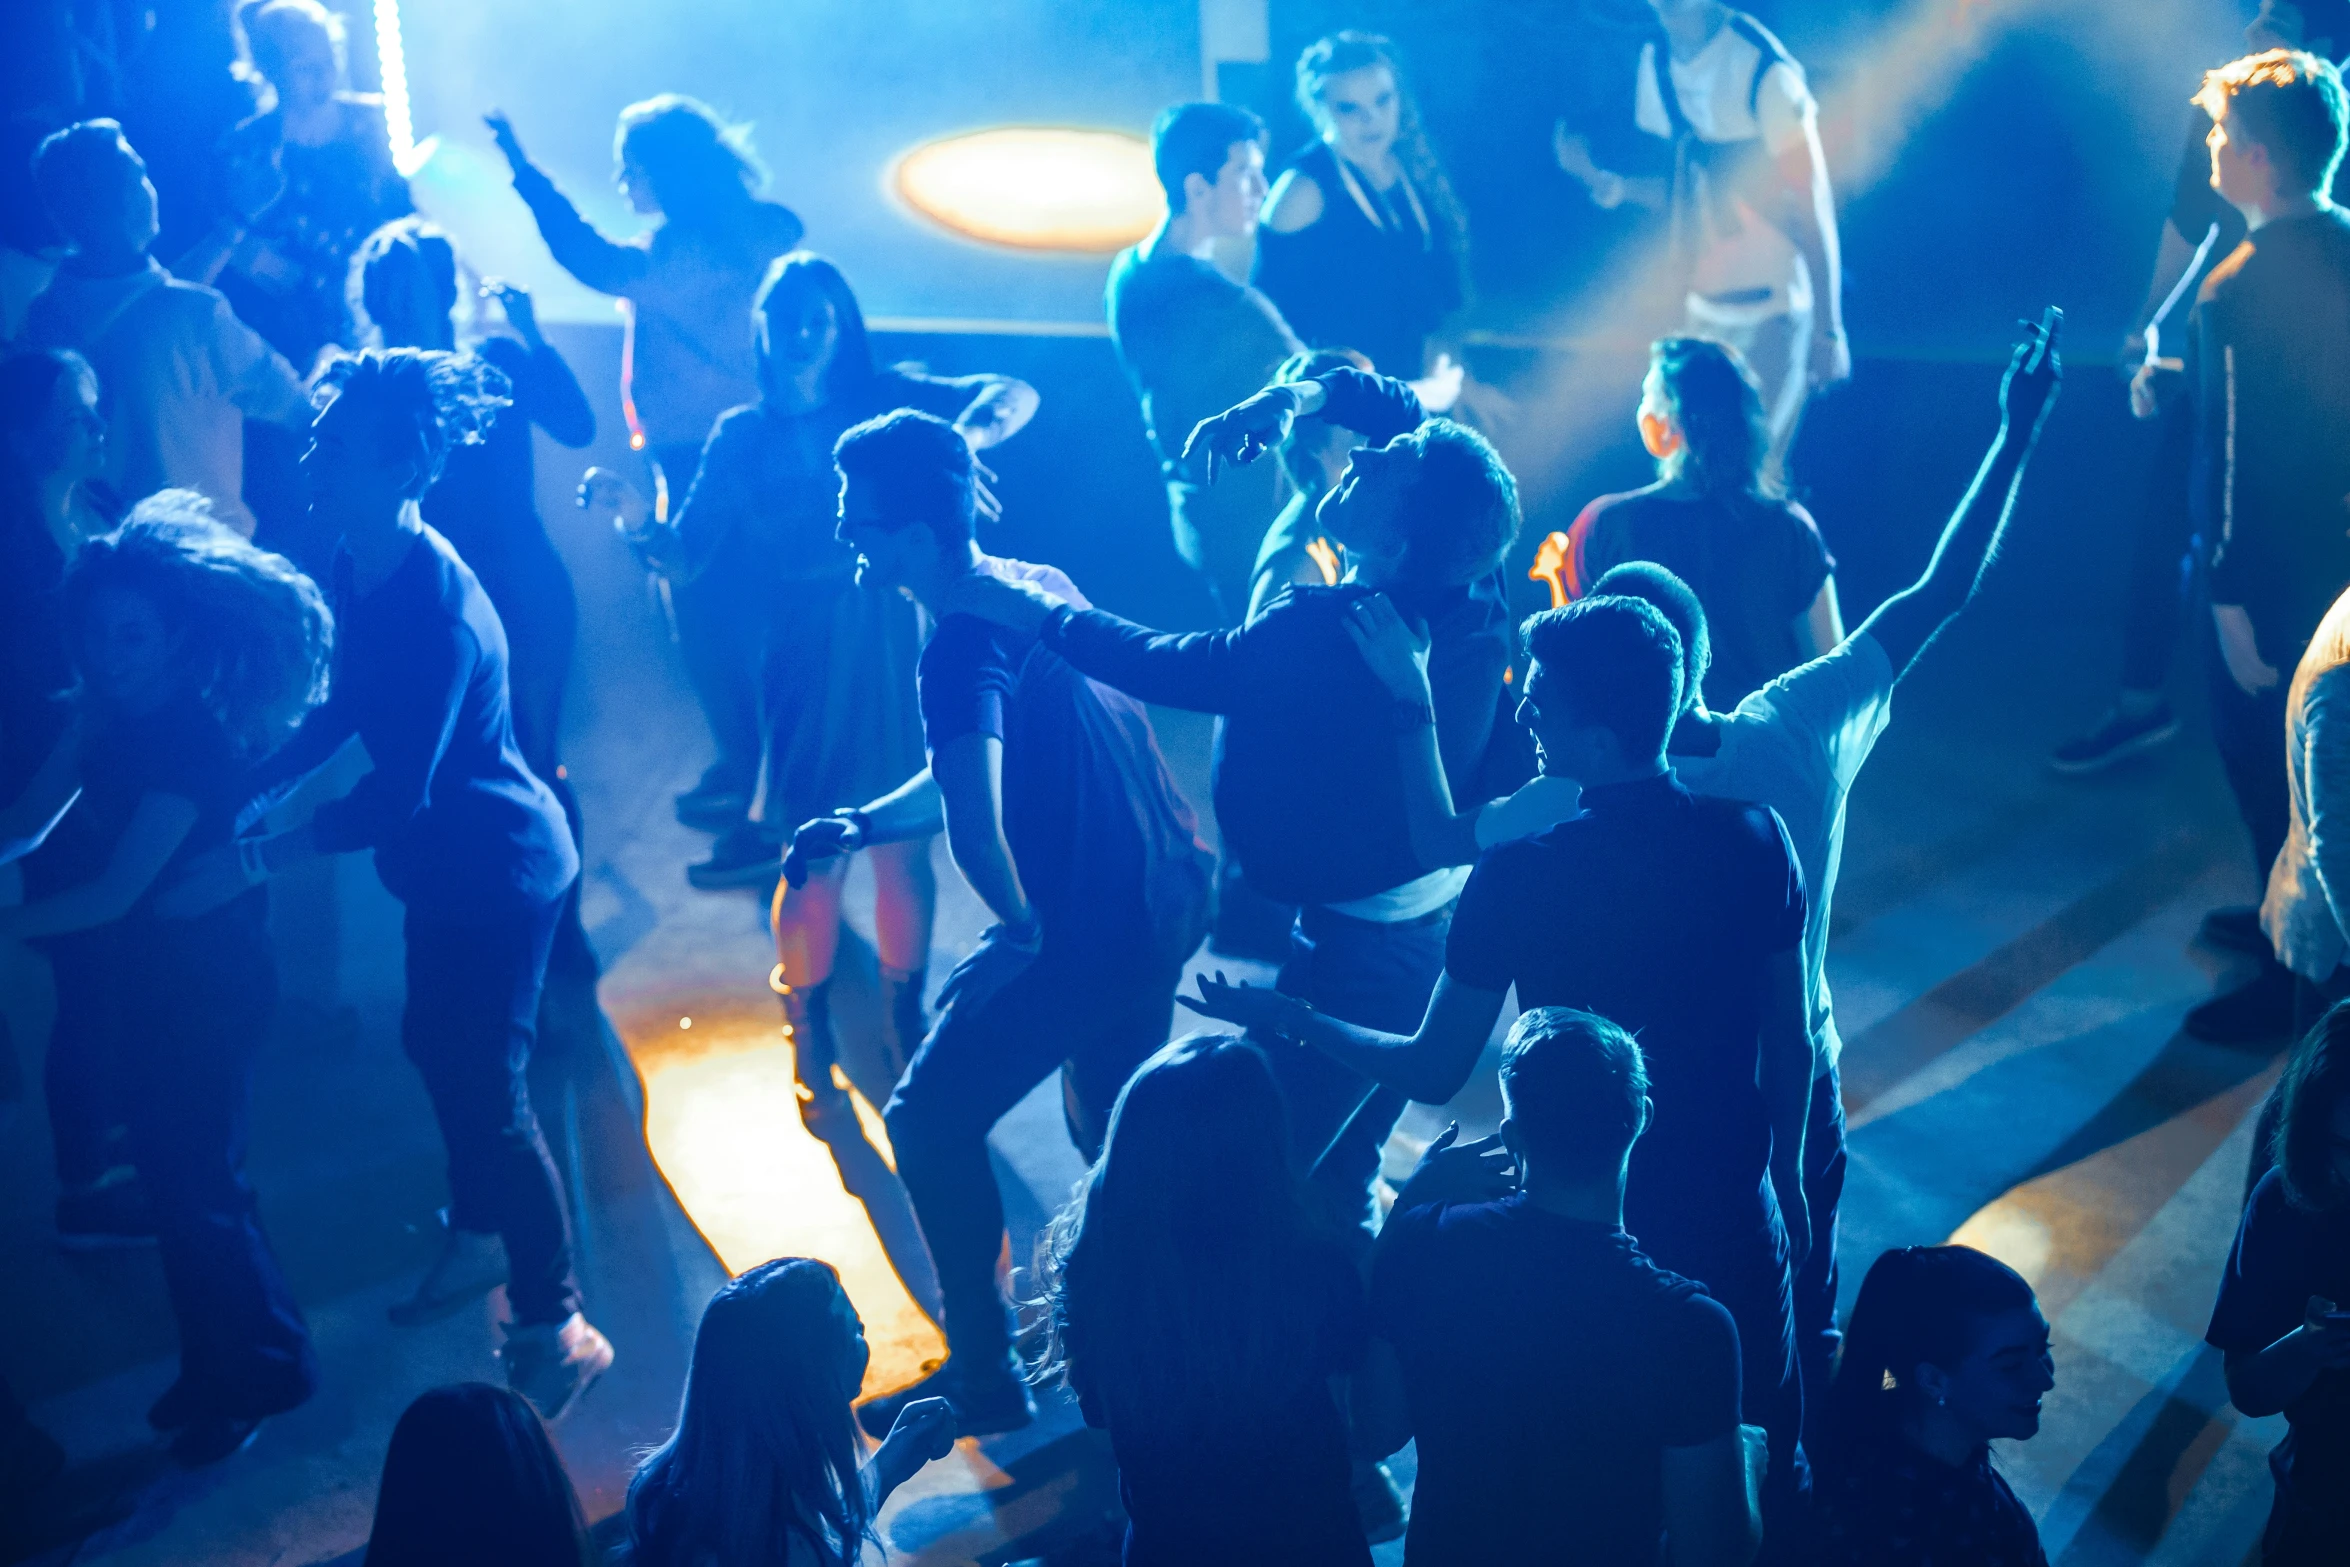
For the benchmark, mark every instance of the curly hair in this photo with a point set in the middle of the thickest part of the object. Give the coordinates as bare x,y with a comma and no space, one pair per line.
1347,51
1725,435
423,402
253,630
2316,1080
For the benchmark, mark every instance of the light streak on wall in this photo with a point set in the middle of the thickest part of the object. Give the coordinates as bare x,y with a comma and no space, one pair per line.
1032,187
391,62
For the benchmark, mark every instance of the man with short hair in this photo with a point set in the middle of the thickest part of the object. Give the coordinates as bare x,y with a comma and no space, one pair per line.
178,373
1194,342
1570,1398
2272,356
1061,815
1308,791
1677,917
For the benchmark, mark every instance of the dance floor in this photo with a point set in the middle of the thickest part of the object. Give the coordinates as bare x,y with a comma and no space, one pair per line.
2011,956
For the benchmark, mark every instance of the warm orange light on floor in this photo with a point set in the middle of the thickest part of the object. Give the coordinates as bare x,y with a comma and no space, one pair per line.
724,1126
1036,187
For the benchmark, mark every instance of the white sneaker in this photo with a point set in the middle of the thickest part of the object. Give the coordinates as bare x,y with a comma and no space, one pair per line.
552,1363
471,1264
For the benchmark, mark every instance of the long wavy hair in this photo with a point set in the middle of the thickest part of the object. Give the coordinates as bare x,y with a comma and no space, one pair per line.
702,168
424,402
2315,1081
255,634
1919,1305
1725,434
471,1480
1350,50
765,1450
1180,1280
803,272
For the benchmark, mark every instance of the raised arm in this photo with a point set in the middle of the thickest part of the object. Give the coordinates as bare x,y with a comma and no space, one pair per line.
159,824
545,390
1430,1065
1907,621
1001,409
602,265
27,820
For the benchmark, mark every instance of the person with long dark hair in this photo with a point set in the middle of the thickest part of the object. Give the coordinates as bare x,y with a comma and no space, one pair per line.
688,357
471,1480
485,502
1363,244
1718,520
2283,1316
1946,1349
1200,1305
197,654
762,1470
464,835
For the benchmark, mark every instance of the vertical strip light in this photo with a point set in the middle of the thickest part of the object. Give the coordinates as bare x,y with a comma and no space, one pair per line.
391,62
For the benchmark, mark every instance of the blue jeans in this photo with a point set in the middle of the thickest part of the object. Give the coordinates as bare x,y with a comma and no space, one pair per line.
1817,1337
1375,975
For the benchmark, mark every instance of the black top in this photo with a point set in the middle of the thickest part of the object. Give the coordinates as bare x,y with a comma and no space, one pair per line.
1892,1506
1269,1484
1755,565
461,828
2283,1255
1308,793
1371,273
36,658
1548,1364
1656,909
2272,361
1107,849
179,749
2194,205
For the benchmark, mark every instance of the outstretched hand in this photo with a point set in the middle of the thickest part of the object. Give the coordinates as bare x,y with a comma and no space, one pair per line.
2035,371
1245,432
1397,654
502,132
1454,1171
1257,1008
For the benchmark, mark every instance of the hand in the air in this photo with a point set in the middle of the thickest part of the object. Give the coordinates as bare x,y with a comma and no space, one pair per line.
607,493
2034,373
502,131
521,313
1397,654
1831,357
1245,432
1011,602
1454,1171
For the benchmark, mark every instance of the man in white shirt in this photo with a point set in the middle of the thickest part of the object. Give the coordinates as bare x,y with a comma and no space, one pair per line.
1797,745
177,371
1753,218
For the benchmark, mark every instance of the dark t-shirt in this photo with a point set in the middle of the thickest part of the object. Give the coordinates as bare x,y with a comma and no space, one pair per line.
1106,848
179,749
1548,1364
1755,565
2283,1255
1892,1506
1656,909
1268,1485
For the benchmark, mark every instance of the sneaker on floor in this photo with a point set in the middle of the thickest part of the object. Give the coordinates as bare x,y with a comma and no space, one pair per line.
2119,735
470,1265
713,805
104,1216
1378,1503
2235,928
986,1404
740,858
2258,1012
553,1363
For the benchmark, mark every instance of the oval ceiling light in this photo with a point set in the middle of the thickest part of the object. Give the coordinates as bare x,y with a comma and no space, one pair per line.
1036,187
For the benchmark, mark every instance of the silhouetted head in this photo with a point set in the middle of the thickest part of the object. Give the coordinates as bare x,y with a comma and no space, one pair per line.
674,155
805,317
1575,1094
471,1480
1603,687
1210,159
1702,418
1677,602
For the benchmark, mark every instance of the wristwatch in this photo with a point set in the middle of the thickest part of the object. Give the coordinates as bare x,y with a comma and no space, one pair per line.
1405,717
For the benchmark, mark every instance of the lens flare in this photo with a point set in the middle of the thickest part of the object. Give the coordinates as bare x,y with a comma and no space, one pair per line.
1035,188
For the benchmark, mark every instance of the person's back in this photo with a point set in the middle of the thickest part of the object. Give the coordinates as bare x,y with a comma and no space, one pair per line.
1548,1364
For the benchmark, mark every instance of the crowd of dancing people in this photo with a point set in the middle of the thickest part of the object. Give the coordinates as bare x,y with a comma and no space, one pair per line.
269,488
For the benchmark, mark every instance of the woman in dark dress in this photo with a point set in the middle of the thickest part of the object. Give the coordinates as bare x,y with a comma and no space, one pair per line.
197,653
1945,1351
1715,519
2283,1316
1199,1308
486,500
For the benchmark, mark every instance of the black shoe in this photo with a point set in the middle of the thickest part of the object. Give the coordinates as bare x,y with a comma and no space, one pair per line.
2258,1012
100,1218
714,804
740,858
2117,737
985,1405
214,1438
2235,928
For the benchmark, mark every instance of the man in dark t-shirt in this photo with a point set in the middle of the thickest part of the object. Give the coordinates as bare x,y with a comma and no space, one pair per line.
1677,917
1062,816
1570,1398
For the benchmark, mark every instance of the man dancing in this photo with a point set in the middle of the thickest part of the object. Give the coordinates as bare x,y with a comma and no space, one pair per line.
1060,813
1753,218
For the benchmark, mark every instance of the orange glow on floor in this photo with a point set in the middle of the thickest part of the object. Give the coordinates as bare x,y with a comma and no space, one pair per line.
723,1123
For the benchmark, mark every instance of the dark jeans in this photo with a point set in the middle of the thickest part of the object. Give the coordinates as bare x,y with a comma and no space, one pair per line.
720,632
1817,1337
471,1019
81,1076
197,1001
1093,1019
2157,582
2249,730
1375,975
